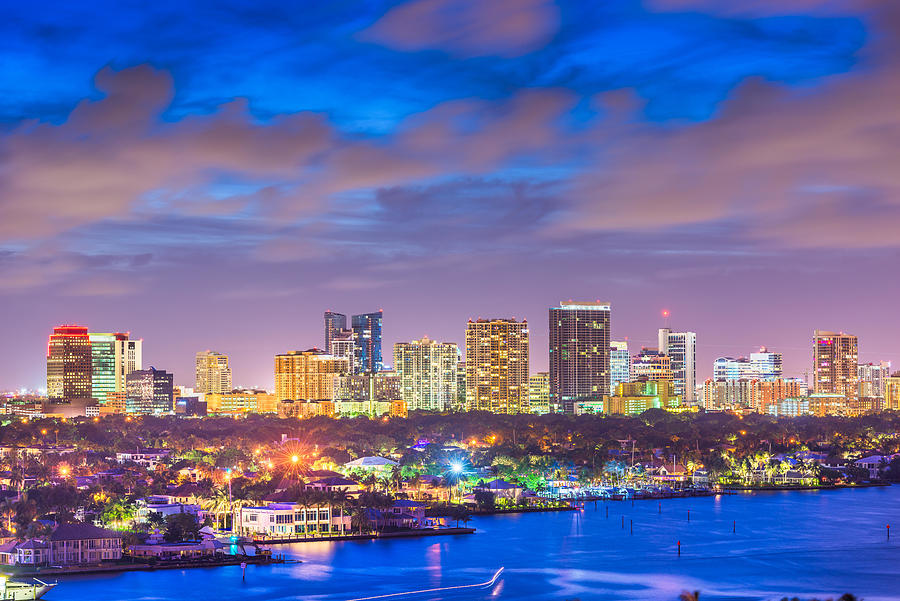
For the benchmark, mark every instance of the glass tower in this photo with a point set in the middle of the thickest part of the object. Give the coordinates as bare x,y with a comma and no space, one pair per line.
579,354
367,342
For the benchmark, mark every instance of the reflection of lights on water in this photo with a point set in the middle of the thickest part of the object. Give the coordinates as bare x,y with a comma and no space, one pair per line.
498,588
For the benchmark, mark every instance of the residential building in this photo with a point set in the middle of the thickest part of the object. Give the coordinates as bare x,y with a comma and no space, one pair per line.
307,375
539,393
342,345
213,374
872,377
776,390
730,368
619,364
149,391
335,324
286,520
789,407
241,402
367,340
497,365
75,544
835,363
371,394
69,364
729,394
428,373
579,353
146,458
681,347
113,356
766,365
892,392
650,364
305,409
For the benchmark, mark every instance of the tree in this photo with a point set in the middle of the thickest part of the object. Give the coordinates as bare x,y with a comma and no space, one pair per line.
156,520
485,500
181,527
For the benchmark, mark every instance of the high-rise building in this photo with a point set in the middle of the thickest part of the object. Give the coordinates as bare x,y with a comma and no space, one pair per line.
619,364
69,364
633,398
650,364
579,354
307,375
213,375
371,394
149,392
539,393
460,387
367,340
892,392
428,372
342,345
729,368
872,377
681,347
335,323
497,365
766,365
835,362
113,357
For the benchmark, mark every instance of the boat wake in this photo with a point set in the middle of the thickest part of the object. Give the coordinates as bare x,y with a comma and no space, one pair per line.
485,584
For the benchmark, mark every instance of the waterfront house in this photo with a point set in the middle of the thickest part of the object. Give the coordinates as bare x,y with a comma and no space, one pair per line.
27,553
874,464
74,544
283,520
502,489
405,514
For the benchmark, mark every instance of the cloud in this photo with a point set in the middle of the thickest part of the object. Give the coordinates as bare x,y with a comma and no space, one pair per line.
765,7
467,28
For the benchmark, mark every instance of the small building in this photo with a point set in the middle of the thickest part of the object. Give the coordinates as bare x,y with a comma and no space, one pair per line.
371,464
335,483
147,458
283,520
502,489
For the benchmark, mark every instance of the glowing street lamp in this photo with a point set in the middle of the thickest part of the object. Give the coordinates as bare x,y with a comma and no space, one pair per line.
294,459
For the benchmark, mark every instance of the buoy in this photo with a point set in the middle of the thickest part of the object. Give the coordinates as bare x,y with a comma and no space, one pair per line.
679,548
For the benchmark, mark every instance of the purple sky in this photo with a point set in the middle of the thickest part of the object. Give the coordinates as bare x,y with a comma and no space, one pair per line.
738,167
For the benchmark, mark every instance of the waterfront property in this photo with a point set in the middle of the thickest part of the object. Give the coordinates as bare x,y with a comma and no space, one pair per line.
289,519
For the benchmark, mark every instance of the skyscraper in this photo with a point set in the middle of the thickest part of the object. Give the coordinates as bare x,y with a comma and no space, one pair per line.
149,392
213,374
113,357
427,371
729,368
342,345
579,354
334,323
835,363
307,375
367,341
539,393
681,347
650,364
497,365
872,377
619,365
892,392
766,365
69,364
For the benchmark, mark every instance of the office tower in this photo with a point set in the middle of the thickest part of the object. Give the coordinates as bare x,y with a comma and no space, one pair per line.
619,365
69,364
729,368
892,392
765,365
427,371
113,356
579,354
681,347
872,377
367,338
650,364
149,392
835,361
213,375
497,365
335,323
342,345
307,375
539,393
633,398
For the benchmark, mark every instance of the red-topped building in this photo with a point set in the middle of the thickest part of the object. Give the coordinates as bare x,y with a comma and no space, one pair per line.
69,364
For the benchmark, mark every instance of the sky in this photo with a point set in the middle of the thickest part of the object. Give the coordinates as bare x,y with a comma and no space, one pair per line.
215,175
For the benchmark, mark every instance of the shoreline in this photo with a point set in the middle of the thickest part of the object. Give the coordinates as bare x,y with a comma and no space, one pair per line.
737,488
363,537
228,560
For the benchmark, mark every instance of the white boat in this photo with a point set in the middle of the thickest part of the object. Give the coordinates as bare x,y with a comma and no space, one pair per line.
23,591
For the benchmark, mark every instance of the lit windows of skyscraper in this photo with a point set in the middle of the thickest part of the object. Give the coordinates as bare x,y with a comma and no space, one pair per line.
539,393
149,392
69,364
766,365
307,375
497,365
113,357
650,364
428,372
682,348
579,354
872,378
342,345
835,363
729,368
335,323
213,374
367,339
619,364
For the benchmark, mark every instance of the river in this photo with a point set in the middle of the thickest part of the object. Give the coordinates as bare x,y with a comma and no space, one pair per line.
738,547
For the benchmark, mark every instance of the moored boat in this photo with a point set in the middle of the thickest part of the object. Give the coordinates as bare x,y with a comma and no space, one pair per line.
23,591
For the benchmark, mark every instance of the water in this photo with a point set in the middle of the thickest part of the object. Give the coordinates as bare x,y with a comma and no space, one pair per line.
808,544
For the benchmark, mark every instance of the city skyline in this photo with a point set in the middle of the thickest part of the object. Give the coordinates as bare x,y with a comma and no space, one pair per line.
726,165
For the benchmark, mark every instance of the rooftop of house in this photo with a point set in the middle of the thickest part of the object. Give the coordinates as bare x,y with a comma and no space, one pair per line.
81,532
